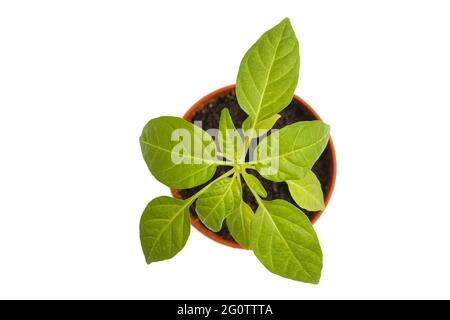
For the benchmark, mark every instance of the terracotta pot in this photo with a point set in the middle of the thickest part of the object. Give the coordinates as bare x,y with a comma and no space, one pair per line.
195,221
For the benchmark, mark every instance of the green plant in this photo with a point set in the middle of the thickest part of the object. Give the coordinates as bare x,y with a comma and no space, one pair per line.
182,155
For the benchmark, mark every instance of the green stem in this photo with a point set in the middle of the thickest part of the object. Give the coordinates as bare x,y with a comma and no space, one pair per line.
246,146
255,194
198,194
245,165
247,138
222,163
250,164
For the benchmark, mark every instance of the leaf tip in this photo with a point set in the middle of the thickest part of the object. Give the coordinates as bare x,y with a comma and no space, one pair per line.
225,111
148,259
286,21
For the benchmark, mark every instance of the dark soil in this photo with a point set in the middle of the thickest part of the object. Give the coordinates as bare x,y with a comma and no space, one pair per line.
295,112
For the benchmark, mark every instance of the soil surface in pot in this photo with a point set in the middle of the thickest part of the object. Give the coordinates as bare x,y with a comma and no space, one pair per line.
210,115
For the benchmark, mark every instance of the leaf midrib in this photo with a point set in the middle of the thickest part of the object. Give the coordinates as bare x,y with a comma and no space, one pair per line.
284,240
306,191
294,151
222,197
263,91
244,232
170,151
166,226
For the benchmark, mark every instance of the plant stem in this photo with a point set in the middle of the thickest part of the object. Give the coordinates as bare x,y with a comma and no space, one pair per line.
222,163
246,146
249,164
255,194
244,165
247,138
198,194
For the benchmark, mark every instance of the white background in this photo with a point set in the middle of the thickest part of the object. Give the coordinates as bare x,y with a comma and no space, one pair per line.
79,80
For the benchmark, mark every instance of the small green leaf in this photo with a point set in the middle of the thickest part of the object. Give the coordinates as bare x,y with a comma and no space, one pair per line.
164,228
261,127
239,224
254,184
307,192
178,154
285,242
268,73
230,141
219,201
290,153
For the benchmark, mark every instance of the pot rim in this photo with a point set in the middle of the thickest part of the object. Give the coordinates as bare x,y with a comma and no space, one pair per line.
195,221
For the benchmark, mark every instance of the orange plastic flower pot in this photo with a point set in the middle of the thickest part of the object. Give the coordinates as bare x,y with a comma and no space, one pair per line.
195,221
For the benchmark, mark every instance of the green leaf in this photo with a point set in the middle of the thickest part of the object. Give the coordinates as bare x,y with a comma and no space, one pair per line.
219,201
285,242
268,73
178,154
239,224
254,184
230,141
307,192
261,127
164,228
290,153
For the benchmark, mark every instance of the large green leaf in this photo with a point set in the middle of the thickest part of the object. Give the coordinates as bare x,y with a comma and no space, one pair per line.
254,184
268,73
164,228
230,142
219,201
178,154
290,153
307,192
260,128
239,224
285,242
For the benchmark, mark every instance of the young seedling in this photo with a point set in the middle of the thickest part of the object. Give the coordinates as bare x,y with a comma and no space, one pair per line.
182,155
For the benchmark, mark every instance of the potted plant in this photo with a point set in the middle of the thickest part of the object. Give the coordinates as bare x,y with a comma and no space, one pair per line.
251,166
